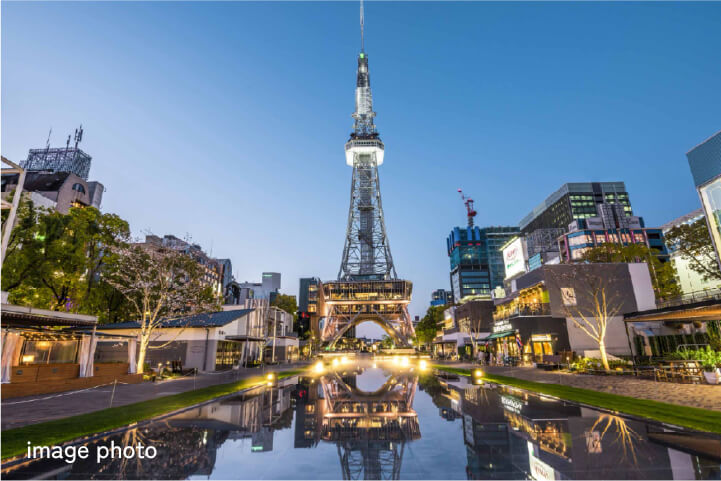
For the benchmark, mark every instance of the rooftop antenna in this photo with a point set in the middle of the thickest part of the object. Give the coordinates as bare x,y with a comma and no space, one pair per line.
78,135
361,26
47,143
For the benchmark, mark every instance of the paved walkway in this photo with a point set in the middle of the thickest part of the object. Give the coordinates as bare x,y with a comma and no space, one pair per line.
695,395
18,412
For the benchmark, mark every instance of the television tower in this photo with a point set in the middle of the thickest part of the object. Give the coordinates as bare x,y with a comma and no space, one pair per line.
367,287
367,253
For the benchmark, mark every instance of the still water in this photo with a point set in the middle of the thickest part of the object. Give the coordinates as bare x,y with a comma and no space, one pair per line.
385,421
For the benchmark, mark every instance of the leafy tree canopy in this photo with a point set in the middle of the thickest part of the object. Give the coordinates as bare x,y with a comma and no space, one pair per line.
693,243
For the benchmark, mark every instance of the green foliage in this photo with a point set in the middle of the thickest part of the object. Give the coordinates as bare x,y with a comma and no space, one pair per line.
589,364
709,358
663,274
713,329
54,260
693,242
287,303
431,323
387,342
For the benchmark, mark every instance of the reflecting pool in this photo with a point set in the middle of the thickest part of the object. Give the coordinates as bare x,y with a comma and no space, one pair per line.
388,420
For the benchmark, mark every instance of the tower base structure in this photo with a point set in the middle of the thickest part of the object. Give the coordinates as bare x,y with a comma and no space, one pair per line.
349,303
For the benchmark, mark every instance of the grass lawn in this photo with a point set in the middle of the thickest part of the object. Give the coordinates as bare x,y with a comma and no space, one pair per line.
694,418
14,441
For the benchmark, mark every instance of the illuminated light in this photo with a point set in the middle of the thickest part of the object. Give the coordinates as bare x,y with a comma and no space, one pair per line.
404,361
318,366
270,383
375,366
43,344
335,362
270,376
28,359
477,373
396,360
344,360
423,364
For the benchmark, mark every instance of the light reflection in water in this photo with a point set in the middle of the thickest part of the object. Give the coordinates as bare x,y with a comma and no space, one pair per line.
383,421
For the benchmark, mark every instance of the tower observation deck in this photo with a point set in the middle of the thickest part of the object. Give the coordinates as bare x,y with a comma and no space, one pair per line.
368,288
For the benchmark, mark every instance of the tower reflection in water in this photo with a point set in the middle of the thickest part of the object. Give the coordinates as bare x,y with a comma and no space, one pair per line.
370,429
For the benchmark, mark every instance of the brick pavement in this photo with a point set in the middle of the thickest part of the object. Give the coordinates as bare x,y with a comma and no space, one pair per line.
694,395
16,413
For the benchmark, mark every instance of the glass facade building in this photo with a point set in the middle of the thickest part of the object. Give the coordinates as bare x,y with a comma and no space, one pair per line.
476,260
705,163
575,201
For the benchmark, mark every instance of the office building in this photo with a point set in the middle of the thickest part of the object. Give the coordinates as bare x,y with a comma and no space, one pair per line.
575,201
441,297
705,163
308,300
476,261
610,226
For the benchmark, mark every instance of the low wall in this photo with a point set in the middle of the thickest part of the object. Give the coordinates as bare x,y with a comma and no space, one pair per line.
52,378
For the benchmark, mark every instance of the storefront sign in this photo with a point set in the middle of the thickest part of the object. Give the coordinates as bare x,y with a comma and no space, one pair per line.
501,326
512,404
514,258
540,470
541,338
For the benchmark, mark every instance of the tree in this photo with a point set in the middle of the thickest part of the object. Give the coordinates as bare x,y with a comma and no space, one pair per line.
54,260
387,342
663,274
693,243
287,303
590,301
430,324
159,284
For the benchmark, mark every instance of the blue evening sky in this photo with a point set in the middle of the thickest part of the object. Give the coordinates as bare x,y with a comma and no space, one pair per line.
227,120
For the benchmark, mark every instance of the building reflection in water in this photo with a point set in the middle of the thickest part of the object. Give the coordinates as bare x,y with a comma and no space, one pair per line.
360,421
510,434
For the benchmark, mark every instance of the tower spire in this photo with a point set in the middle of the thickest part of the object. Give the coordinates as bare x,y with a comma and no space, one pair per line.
361,26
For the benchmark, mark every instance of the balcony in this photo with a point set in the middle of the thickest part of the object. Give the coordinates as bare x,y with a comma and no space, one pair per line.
540,309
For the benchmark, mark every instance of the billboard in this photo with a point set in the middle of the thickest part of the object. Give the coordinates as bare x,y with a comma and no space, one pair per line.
514,257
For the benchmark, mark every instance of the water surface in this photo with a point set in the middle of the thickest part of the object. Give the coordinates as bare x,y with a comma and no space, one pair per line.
390,421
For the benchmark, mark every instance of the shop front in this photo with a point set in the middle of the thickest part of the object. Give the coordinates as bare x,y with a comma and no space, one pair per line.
527,340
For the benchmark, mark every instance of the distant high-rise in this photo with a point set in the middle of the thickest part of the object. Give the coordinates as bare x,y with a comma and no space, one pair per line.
476,260
575,201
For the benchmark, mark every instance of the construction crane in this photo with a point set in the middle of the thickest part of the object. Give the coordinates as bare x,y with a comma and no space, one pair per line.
470,212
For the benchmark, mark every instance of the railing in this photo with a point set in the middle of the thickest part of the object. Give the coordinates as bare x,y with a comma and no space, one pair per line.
540,309
691,297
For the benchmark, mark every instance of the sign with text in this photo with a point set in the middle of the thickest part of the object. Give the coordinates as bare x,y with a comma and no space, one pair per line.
514,258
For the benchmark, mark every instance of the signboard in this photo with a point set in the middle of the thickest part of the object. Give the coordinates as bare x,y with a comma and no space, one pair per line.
500,326
514,258
538,469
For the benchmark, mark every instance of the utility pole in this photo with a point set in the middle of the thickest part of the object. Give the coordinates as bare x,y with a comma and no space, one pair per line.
10,223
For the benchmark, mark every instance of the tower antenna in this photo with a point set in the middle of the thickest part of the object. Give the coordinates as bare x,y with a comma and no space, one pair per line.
361,26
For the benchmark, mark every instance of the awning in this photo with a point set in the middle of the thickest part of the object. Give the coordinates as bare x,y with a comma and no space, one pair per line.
244,338
497,335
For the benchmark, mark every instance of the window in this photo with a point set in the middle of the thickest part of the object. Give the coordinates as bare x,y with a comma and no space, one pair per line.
78,188
568,296
49,352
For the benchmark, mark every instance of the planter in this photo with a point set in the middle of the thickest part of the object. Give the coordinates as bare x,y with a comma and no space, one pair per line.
712,377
